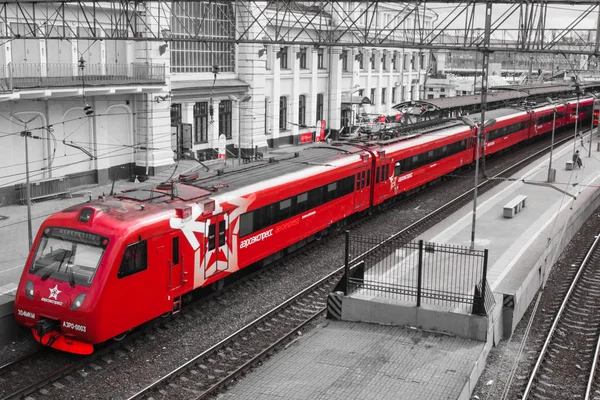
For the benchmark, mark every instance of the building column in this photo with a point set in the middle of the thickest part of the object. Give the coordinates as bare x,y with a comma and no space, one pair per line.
154,124
213,124
296,90
275,94
311,106
369,81
334,97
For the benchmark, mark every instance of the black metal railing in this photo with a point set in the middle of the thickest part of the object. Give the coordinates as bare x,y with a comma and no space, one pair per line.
46,75
419,272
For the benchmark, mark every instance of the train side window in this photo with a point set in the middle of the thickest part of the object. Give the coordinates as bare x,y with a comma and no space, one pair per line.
246,223
397,168
211,237
221,233
284,209
314,198
331,189
175,251
135,259
368,177
362,180
302,202
415,161
377,174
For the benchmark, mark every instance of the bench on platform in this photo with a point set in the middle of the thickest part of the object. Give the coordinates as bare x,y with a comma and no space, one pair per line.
514,206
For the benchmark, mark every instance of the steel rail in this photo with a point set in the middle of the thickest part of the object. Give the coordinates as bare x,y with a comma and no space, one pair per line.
234,335
250,363
26,357
588,390
557,318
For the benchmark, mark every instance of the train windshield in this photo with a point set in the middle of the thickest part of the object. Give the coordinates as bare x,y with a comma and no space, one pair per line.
68,255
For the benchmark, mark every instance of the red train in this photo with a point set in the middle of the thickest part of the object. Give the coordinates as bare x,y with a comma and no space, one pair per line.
99,269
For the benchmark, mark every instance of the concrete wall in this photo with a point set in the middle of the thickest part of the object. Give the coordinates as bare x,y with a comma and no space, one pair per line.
363,308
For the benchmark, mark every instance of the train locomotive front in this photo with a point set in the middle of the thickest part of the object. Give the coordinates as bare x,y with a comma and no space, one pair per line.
61,294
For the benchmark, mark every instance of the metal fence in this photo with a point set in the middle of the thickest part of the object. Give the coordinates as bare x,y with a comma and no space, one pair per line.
32,75
418,272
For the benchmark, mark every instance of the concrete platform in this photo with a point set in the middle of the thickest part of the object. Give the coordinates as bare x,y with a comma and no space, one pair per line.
360,360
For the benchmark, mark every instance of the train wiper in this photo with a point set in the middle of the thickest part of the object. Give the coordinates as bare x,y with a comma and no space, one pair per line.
71,275
49,272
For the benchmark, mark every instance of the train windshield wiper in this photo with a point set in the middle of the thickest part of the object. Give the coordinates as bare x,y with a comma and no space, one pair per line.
71,275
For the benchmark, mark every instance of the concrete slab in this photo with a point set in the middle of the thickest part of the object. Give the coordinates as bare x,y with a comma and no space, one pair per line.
346,360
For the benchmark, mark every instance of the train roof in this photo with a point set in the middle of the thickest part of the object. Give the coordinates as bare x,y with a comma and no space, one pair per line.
200,184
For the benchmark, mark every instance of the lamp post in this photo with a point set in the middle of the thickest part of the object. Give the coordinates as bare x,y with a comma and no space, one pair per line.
551,172
595,105
478,128
578,92
25,133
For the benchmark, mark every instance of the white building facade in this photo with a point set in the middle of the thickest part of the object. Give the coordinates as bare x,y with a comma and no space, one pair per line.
97,110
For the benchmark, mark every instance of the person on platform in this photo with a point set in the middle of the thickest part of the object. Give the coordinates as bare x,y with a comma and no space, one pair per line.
577,160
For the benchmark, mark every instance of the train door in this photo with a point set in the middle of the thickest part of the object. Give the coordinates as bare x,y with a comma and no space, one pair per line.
216,245
175,263
361,188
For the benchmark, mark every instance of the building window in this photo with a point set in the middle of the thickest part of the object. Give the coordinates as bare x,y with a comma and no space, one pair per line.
430,96
345,60
175,114
406,61
302,110
320,107
361,63
431,89
442,96
383,95
442,90
372,96
394,58
384,62
282,113
373,62
225,118
201,122
200,56
303,58
283,58
361,92
393,95
320,58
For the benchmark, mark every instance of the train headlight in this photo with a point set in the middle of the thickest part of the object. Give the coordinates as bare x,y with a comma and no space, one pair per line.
78,301
29,289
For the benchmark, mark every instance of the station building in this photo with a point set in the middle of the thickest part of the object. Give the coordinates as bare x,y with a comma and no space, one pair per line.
96,110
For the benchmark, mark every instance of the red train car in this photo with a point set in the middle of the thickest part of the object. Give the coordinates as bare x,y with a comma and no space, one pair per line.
404,165
98,270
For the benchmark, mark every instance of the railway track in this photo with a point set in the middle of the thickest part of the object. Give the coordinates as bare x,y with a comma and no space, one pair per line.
219,366
213,369
566,364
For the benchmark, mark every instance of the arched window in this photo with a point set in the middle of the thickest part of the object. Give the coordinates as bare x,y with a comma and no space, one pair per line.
302,110
282,113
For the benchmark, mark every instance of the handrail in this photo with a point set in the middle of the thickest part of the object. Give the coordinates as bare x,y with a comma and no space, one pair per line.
34,75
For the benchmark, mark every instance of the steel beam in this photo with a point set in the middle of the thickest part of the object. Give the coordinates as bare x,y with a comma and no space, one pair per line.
324,23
